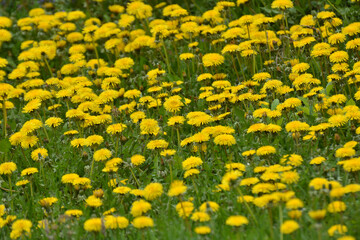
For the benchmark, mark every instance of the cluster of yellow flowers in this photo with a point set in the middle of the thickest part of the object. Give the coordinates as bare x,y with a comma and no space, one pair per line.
243,115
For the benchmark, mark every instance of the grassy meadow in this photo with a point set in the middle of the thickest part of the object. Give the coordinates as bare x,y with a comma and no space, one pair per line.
180,119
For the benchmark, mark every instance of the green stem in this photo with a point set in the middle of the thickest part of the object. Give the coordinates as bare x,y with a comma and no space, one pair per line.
333,6
235,68
31,190
242,70
267,43
137,183
319,233
247,205
286,22
271,224
92,168
42,169
186,218
48,66
96,51
43,125
178,137
196,189
171,175
281,221
11,193
166,56
116,145
5,117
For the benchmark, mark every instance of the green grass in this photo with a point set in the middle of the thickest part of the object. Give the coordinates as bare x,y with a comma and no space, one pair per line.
64,159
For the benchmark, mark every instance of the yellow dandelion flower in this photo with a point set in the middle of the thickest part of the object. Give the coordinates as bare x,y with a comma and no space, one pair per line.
212,59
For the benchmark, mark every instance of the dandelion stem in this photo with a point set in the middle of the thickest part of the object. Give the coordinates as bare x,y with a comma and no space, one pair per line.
286,22
247,205
31,190
171,175
137,183
116,145
267,43
196,189
92,168
177,58
166,56
253,65
242,70
5,117
96,51
42,169
236,71
319,233
178,137
11,193
281,221
47,136
271,223
22,151
48,66
185,216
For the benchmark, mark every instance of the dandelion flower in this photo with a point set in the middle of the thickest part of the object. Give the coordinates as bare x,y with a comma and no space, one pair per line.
224,140
336,206
209,206
289,226
102,154
177,188
191,172
191,162
137,159
339,56
149,126
93,225
340,229
142,222
296,126
200,217
184,209
29,171
140,207
202,230
153,191
237,221
7,168
48,202
73,213
173,104
20,227
265,150
317,214
93,201
212,59
122,190
115,128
